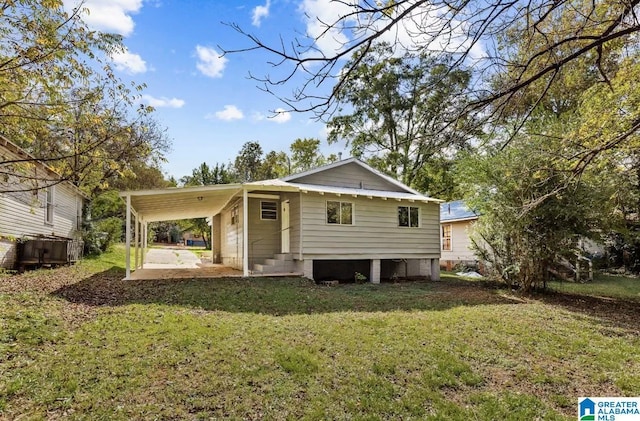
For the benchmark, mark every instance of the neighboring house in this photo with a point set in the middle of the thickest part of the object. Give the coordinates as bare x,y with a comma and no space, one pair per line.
325,223
456,224
34,205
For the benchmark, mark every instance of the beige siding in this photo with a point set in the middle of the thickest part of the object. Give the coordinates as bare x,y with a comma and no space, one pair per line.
349,175
264,235
460,242
374,234
23,214
231,237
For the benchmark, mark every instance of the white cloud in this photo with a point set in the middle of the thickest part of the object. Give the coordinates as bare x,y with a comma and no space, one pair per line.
320,13
108,15
260,12
210,62
423,27
163,102
128,62
230,112
281,116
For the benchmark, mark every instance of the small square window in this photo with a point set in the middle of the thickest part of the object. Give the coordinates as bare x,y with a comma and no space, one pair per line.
269,211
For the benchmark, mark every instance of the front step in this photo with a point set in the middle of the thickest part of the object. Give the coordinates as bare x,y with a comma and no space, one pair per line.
281,263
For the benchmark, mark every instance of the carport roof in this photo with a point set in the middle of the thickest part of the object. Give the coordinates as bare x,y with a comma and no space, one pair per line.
193,201
206,201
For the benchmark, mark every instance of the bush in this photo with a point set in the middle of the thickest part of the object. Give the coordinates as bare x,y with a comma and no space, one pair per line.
100,235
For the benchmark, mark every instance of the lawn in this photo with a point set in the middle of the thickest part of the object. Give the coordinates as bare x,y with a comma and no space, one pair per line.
80,343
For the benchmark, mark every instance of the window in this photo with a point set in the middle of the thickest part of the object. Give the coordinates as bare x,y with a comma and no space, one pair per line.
234,215
269,210
339,213
48,209
446,237
408,216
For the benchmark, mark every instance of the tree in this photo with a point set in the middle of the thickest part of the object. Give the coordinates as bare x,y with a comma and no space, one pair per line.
305,154
522,243
400,112
248,163
205,176
60,101
275,165
467,29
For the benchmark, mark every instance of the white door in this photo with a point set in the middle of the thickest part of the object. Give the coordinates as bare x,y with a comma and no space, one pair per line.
285,226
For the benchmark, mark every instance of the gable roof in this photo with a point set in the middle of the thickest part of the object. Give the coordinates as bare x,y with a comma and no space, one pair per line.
456,211
292,178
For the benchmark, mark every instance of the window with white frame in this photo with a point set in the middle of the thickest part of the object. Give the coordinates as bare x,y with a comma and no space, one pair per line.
446,237
48,207
269,211
408,216
339,212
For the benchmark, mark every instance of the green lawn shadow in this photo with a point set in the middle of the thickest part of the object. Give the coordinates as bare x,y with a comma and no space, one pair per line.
278,296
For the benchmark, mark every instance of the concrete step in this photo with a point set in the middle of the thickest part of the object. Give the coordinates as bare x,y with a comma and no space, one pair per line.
283,256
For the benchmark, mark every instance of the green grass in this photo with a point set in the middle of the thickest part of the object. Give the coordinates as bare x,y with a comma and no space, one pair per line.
604,286
96,347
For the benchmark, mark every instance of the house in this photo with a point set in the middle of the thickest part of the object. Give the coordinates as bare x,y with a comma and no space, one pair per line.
36,207
456,224
330,222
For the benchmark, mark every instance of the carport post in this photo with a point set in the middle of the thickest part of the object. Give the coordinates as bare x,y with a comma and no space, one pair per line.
127,256
144,243
136,234
245,232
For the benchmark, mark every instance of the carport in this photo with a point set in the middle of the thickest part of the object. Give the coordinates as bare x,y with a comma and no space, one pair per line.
145,206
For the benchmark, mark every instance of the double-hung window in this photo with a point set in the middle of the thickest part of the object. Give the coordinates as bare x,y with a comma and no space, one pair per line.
408,216
446,237
48,207
339,213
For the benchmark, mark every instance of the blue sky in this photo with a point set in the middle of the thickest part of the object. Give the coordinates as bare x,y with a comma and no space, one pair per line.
208,103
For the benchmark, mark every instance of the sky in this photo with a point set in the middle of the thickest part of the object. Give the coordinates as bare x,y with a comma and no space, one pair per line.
207,102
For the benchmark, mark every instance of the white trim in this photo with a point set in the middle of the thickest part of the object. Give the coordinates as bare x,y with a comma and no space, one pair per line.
264,196
447,221
245,233
127,230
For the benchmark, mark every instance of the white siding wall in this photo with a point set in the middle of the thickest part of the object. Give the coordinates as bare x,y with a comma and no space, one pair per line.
23,214
350,175
264,235
374,234
460,242
231,238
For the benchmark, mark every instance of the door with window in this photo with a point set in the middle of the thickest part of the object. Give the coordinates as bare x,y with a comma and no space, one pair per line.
285,229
